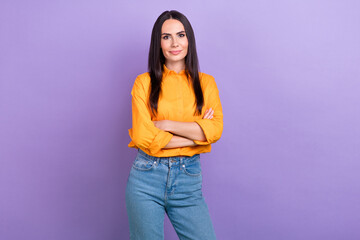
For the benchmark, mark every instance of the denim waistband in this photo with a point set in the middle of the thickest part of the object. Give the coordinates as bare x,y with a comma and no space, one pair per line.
173,159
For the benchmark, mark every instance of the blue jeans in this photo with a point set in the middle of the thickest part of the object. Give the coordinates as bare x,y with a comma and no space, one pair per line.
171,185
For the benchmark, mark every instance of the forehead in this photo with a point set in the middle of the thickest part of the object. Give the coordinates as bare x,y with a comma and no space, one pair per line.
172,26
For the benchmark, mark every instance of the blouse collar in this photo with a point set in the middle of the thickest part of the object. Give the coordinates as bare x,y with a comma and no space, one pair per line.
168,71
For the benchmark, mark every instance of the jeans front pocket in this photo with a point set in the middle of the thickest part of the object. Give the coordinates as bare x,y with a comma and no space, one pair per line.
142,163
193,168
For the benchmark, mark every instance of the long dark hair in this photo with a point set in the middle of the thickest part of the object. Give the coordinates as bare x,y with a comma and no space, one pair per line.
157,59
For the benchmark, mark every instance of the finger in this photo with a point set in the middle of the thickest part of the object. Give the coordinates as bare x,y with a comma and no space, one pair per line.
208,111
208,117
206,114
211,114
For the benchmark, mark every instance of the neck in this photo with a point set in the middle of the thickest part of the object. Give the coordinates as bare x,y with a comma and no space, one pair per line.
175,66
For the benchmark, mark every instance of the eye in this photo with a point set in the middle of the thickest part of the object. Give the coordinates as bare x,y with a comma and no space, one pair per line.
165,37
182,35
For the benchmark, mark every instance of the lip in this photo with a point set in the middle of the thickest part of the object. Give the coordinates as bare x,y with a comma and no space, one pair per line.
175,52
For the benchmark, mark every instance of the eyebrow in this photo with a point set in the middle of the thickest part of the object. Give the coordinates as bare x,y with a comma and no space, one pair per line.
170,34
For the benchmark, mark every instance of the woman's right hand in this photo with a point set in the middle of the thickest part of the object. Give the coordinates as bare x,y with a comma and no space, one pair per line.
208,114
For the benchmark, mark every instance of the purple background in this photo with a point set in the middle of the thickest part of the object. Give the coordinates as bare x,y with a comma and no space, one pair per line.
287,165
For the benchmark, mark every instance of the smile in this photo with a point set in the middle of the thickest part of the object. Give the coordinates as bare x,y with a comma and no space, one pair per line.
175,52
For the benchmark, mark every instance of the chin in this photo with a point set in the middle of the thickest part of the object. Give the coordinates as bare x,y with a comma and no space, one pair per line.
177,58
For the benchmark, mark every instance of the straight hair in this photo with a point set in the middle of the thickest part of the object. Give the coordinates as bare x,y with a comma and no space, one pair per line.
157,59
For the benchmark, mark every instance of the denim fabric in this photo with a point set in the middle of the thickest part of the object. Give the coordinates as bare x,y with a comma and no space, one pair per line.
171,185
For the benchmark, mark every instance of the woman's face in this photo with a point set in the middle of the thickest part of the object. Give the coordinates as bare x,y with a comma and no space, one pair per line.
174,42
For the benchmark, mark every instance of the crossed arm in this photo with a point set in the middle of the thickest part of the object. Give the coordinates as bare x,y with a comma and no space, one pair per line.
184,132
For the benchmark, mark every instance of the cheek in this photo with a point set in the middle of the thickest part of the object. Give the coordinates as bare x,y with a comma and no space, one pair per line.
186,47
185,44
163,45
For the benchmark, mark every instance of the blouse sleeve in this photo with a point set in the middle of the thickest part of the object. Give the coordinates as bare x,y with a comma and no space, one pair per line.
212,128
144,133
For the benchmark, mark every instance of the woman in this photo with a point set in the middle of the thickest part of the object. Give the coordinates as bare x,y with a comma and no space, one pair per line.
176,115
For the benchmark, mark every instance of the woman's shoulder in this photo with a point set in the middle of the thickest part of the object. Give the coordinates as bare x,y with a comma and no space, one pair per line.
206,79
145,75
142,79
205,76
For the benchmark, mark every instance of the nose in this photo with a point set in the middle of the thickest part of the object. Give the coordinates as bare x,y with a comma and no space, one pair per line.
174,42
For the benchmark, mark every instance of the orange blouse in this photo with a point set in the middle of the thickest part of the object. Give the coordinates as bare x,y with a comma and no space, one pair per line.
176,103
